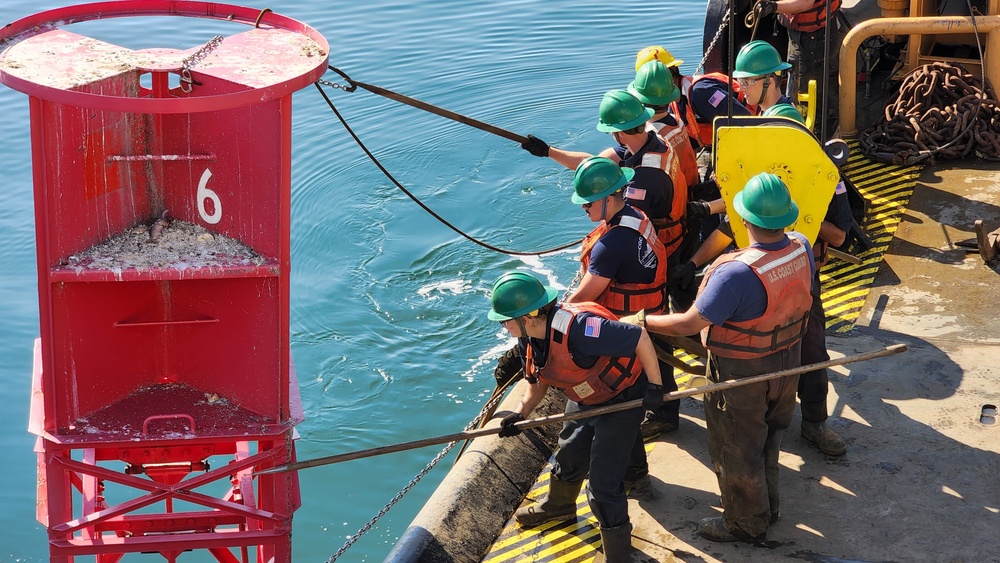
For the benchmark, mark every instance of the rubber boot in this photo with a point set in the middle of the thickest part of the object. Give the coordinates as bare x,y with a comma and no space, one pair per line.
816,430
617,545
560,504
637,475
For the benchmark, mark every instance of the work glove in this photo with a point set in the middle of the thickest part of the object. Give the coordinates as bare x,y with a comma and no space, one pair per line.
698,210
681,276
508,366
536,146
653,398
765,8
507,428
636,319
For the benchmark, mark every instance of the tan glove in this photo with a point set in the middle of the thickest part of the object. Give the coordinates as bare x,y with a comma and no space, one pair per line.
636,319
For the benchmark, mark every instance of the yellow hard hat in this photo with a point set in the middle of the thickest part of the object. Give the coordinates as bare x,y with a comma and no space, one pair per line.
655,53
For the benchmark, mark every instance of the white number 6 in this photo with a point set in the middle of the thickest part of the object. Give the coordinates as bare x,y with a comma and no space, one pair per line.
205,193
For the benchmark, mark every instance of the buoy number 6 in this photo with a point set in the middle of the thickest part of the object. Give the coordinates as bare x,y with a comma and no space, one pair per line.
205,193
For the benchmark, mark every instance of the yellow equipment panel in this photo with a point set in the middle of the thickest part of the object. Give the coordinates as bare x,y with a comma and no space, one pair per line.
747,146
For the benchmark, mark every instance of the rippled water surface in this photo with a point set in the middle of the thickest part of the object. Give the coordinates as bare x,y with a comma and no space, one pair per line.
389,333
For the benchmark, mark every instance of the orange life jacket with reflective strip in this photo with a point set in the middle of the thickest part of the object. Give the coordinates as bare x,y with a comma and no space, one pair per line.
787,278
813,19
702,132
669,229
591,386
629,298
675,137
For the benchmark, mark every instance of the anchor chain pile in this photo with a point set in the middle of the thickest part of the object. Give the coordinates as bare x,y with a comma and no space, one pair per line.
941,112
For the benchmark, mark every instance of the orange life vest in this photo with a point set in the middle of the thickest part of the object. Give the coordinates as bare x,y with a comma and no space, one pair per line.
675,137
669,229
629,298
813,19
701,132
590,386
787,278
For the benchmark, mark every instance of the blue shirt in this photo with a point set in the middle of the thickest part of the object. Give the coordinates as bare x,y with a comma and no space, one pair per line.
735,293
651,190
709,98
623,255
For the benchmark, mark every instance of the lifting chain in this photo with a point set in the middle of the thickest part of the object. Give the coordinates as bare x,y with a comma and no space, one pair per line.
711,45
488,408
940,111
186,81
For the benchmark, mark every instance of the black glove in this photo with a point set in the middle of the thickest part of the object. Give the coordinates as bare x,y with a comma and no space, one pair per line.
654,397
507,428
508,366
765,8
698,210
535,146
681,276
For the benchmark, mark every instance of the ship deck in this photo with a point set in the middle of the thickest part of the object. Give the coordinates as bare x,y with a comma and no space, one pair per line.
921,477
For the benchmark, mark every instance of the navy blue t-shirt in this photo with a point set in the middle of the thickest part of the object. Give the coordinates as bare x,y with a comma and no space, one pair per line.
651,190
709,98
622,254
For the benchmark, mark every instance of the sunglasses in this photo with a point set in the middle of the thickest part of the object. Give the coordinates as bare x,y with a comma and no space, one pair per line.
657,108
748,82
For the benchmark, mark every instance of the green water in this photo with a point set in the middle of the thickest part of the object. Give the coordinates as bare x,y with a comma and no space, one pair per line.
389,334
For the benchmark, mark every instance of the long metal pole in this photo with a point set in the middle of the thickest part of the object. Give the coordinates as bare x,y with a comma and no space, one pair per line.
558,418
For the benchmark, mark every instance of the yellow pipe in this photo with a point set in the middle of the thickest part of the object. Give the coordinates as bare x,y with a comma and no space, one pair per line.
904,26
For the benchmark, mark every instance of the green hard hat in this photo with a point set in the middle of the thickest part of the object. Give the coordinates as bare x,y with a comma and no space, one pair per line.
598,177
784,110
654,85
518,293
766,202
621,111
758,58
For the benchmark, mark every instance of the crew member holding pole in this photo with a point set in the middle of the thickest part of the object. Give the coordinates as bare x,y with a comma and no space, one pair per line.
582,349
752,310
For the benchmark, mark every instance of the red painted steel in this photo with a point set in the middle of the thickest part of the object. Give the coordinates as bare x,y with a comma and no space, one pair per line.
178,368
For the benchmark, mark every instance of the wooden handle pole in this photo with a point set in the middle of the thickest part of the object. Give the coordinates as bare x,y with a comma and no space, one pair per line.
558,418
443,112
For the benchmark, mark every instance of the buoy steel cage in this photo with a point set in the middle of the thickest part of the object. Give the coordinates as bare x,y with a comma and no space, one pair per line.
166,369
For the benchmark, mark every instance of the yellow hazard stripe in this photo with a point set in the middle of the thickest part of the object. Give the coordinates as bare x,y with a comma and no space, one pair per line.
570,541
887,188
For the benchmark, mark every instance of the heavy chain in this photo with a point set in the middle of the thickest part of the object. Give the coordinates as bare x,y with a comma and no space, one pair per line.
335,85
186,81
941,111
711,45
473,424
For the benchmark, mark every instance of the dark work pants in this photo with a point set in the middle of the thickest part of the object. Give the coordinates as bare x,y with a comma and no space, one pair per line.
745,426
808,47
814,385
600,446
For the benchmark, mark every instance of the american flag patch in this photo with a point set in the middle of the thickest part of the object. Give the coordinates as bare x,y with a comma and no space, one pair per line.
635,193
716,98
592,327
841,188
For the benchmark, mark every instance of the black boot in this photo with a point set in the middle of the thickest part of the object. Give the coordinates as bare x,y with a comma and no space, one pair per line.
617,544
816,430
559,504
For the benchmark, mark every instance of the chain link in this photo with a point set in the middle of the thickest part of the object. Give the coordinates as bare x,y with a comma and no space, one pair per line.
718,34
186,81
334,85
437,459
